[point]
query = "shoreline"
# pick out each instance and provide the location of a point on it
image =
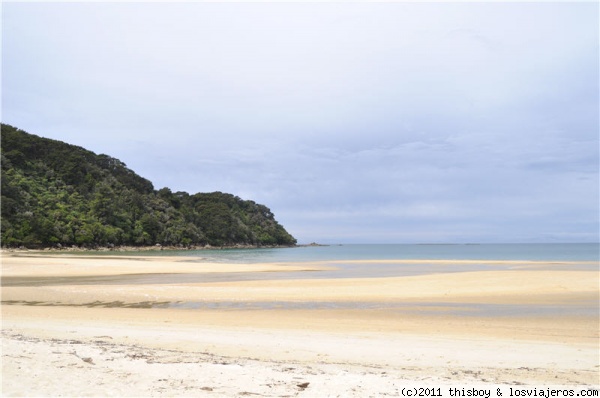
(157, 247)
(384, 332)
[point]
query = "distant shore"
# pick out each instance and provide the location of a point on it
(157, 247)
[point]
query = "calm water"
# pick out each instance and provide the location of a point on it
(542, 252)
(346, 260)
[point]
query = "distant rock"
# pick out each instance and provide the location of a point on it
(313, 244)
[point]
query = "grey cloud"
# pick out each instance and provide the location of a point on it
(385, 122)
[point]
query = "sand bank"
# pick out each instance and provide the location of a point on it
(40, 265)
(60, 339)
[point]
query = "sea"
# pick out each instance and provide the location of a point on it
(347, 252)
(368, 260)
(361, 261)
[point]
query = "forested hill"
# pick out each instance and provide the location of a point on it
(56, 194)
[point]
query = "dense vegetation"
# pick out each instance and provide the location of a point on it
(56, 194)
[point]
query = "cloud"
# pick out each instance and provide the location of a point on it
(354, 122)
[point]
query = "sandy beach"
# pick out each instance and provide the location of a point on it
(107, 325)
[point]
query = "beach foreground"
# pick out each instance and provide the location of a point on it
(106, 334)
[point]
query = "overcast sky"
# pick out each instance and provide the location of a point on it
(354, 122)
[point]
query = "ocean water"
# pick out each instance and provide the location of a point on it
(515, 252)
(356, 261)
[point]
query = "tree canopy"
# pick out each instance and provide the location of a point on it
(55, 193)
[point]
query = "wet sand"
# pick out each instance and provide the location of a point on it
(374, 334)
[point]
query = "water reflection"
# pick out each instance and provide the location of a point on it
(581, 308)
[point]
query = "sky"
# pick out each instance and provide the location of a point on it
(354, 122)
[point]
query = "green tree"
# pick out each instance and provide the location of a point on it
(55, 193)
